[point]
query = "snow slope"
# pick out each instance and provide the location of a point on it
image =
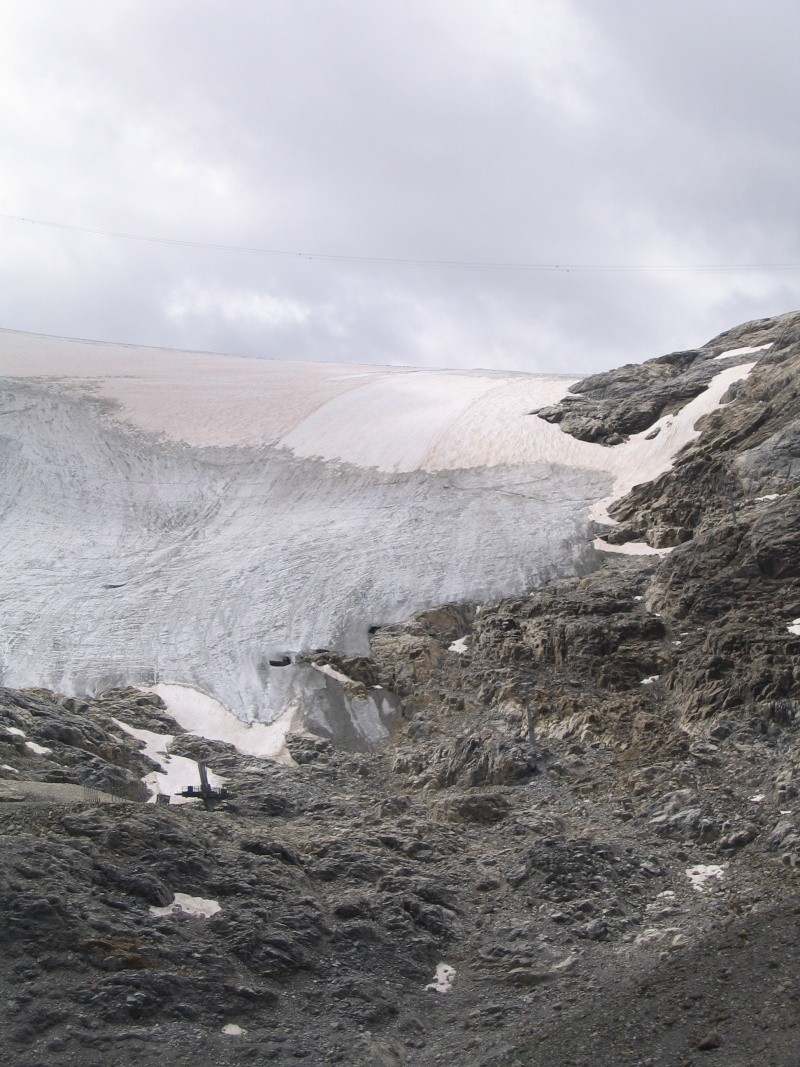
(183, 518)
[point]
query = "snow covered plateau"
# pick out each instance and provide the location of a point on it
(183, 519)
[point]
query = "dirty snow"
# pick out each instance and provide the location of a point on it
(460, 645)
(702, 875)
(200, 907)
(8, 767)
(233, 1030)
(443, 982)
(759, 798)
(177, 772)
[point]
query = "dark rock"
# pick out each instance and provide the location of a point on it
(709, 1042)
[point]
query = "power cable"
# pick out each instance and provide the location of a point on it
(207, 246)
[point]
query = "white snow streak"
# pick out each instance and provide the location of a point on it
(460, 645)
(794, 628)
(743, 351)
(630, 548)
(331, 672)
(640, 460)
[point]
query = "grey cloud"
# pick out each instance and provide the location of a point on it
(557, 132)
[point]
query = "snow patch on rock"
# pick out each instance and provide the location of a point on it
(703, 875)
(200, 907)
(39, 750)
(443, 982)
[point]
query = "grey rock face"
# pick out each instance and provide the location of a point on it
(607, 408)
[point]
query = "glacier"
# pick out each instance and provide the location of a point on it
(183, 519)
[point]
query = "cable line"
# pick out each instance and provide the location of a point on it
(207, 246)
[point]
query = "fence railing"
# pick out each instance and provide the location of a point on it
(72, 793)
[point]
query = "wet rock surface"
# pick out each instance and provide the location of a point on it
(588, 808)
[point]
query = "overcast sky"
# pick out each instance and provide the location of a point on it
(560, 132)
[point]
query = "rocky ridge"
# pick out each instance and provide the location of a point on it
(589, 812)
